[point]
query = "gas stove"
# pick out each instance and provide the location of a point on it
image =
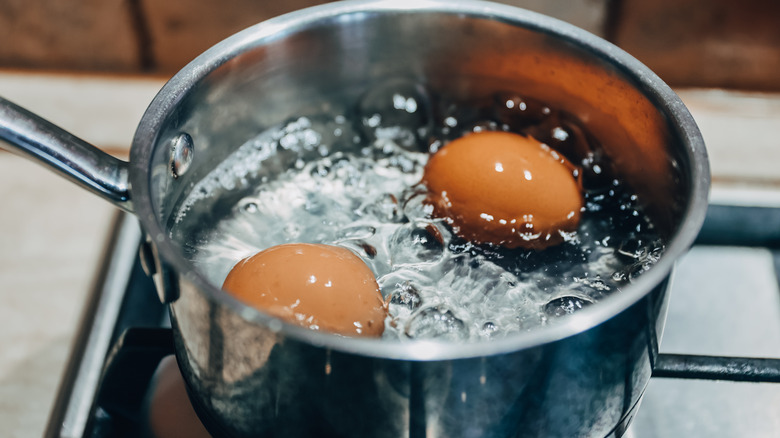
(725, 303)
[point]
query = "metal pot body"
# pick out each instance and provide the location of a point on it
(250, 381)
(251, 375)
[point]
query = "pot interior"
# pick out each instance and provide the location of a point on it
(325, 62)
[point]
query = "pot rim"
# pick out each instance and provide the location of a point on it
(647, 81)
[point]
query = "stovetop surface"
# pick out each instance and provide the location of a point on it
(725, 300)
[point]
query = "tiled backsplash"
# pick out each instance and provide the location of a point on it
(705, 43)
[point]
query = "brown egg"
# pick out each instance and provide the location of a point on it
(321, 287)
(504, 189)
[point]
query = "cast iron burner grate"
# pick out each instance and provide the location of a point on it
(99, 402)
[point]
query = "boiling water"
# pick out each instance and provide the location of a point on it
(353, 181)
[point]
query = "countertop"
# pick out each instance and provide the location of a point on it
(52, 234)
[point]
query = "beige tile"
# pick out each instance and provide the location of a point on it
(51, 235)
(742, 133)
(26, 391)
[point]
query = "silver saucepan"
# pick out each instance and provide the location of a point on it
(249, 374)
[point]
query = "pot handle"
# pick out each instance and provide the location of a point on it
(66, 154)
(728, 225)
(736, 369)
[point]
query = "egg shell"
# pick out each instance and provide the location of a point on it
(322, 287)
(505, 189)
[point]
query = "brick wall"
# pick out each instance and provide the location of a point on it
(709, 43)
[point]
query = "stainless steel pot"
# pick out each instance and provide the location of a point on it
(251, 375)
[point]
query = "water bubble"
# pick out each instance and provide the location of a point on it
(595, 283)
(656, 252)
(596, 174)
(484, 288)
(560, 134)
(292, 231)
(619, 276)
(633, 248)
(638, 269)
(355, 174)
(395, 135)
(415, 205)
(398, 110)
(321, 168)
(414, 243)
(385, 208)
(373, 121)
(405, 163)
(298, 135)
(518, 112)
(483, 125)
(566, 305)
(335, 135)
(641, 253)
(356, 232)
(489, 329)
(314, 205)
(402, 281)
(404, 297)
(438, 323)
(249, 205)
(365, 251)
(434, 145)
